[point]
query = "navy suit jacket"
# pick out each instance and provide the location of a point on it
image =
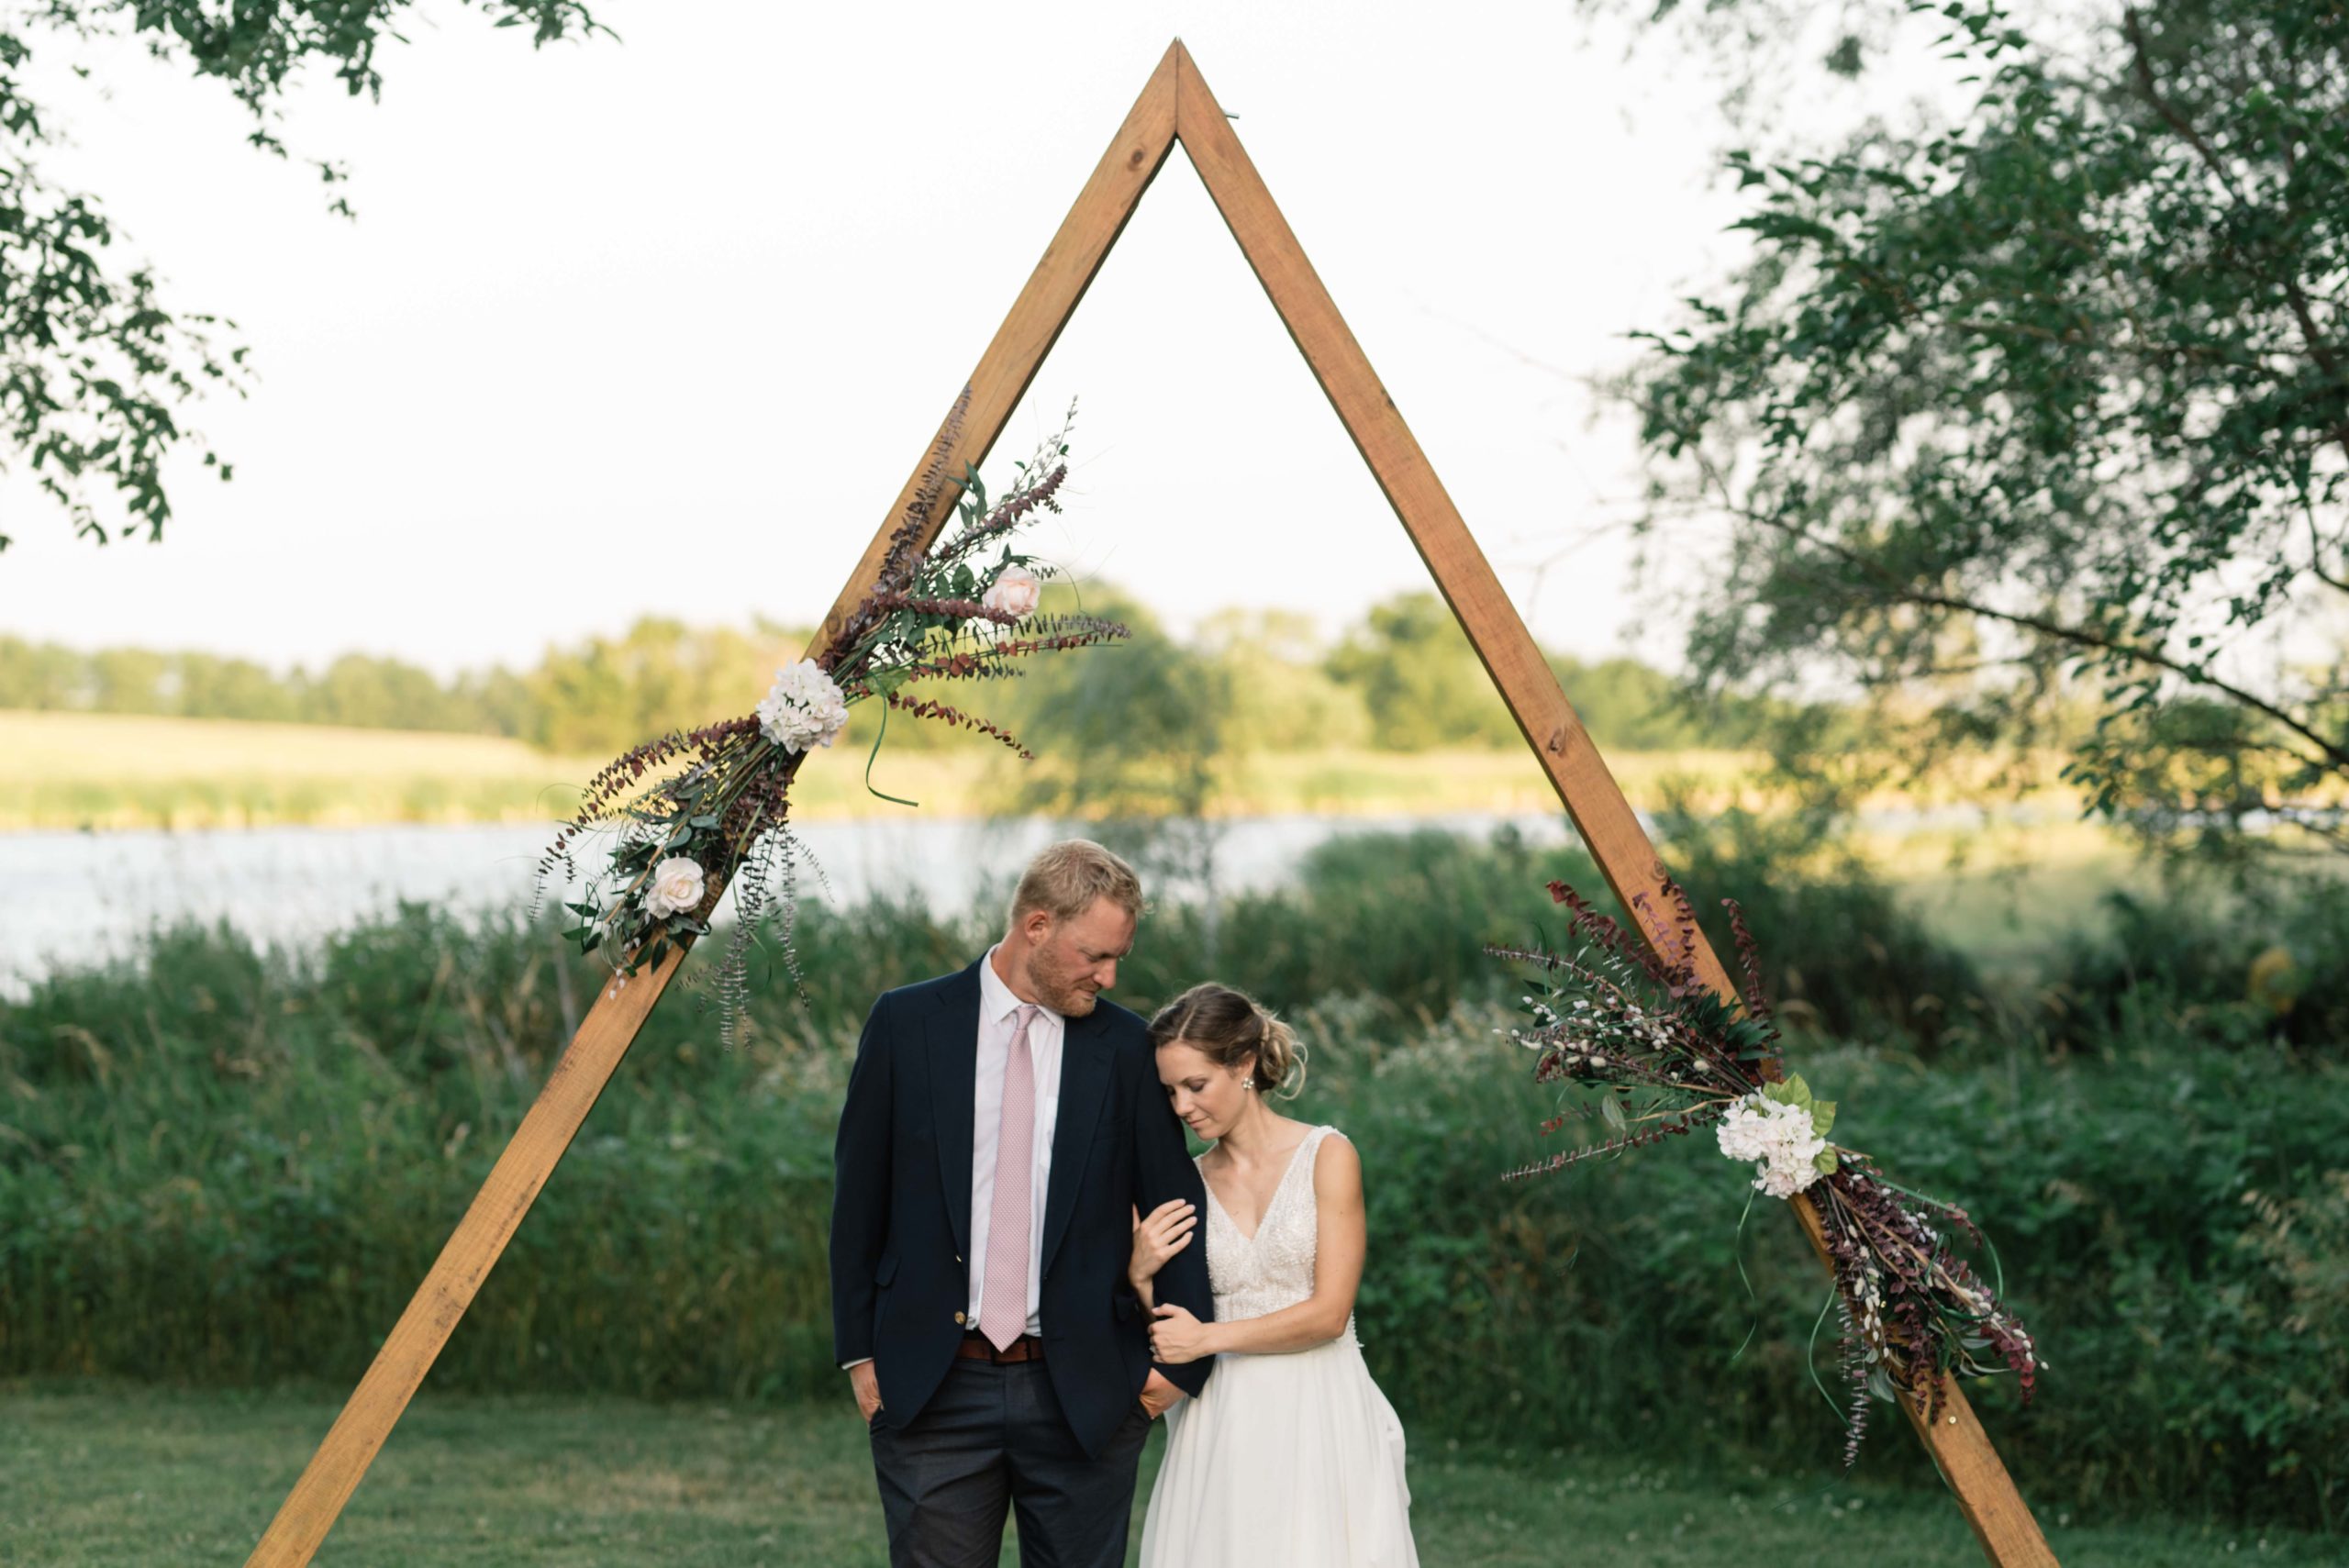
(901, 1205)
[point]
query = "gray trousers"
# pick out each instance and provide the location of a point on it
(992, 1438)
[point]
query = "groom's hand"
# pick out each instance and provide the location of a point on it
(1158, 1396)
(867, 1385)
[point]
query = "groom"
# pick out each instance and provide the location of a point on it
(1002, 1128)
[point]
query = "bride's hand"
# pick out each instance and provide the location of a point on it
(1165, 1232)
(1177, 1337)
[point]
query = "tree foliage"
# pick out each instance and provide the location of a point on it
(1128, 736)
(96, 368)
(1419, 676)
(1420, 679)
(1280, 686)
(2049, 411)
(1250, 682)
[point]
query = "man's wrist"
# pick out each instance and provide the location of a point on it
(1158, 1393)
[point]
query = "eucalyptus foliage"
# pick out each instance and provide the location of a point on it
(2035, 428)
(95, 367)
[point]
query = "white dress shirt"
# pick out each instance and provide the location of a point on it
(997, 1018)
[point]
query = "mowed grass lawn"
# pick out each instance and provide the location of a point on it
(106, 1476)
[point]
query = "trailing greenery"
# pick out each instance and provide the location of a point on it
(223, 1169)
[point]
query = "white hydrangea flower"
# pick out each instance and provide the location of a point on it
(803, 708)
(1778, 1139)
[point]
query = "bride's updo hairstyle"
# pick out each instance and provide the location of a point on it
(1229, 1029)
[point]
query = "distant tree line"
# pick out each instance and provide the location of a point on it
(1404, 679)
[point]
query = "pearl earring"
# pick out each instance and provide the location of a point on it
(1248, 1082)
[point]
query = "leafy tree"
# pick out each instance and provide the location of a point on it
(367, 692)
(1421, 681)
(1252, 681)
(609, 693)
(212, 687)
(1628, 705)
(42, 675)
(2049, 411)
(500, 700)
(131, 680)
(94, 367)
(1127, 738)
(1280, 696)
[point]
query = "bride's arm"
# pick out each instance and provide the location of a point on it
(1340, 1242)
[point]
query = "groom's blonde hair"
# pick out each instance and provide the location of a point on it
(1065, 878)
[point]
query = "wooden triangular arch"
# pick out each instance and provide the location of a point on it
(1175, 106)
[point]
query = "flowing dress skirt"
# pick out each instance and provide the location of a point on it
(1294, 1460)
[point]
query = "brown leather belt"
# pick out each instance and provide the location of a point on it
(975, 1347)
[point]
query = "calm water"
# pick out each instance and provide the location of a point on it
(83, 897)
(77, 897)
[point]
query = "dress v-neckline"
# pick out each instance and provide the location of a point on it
(1278, 1187)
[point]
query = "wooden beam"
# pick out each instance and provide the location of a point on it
(1466, 579)
(1601, 815)
(1136, 154)
(1003, 371)
(496, 1212)
(1175, 103)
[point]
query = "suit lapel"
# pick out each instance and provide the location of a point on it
(953, 1031)
(1084, 1085)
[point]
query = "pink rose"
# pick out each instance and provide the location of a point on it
(1015, 590)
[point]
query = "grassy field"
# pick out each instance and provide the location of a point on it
(76, 770)
(113, 771)
(98, 1477)
(2001, 895)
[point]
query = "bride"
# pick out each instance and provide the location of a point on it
(1291, 1456)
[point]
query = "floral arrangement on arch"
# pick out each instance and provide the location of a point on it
(695, 811)
(1661, 1054)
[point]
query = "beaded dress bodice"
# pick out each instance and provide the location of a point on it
(1274, 1269)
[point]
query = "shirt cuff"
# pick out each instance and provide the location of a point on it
(850, 1366)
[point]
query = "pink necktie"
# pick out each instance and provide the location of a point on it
(1003, 1302)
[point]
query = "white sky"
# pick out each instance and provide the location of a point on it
(660, 326)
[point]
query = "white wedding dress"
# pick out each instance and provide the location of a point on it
(1292, 1460)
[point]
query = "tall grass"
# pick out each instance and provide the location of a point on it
(217, 1168)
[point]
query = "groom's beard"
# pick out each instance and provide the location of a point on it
(1070, 1001)
(1066, 994)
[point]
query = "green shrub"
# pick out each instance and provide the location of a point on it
(221, 1168)
(1406, 917)
(2268, 963)
(2183, 1324)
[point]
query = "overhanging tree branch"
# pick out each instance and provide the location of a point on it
(1911, 593)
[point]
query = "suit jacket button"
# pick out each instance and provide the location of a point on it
(958, 1257)
(958, 1317)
